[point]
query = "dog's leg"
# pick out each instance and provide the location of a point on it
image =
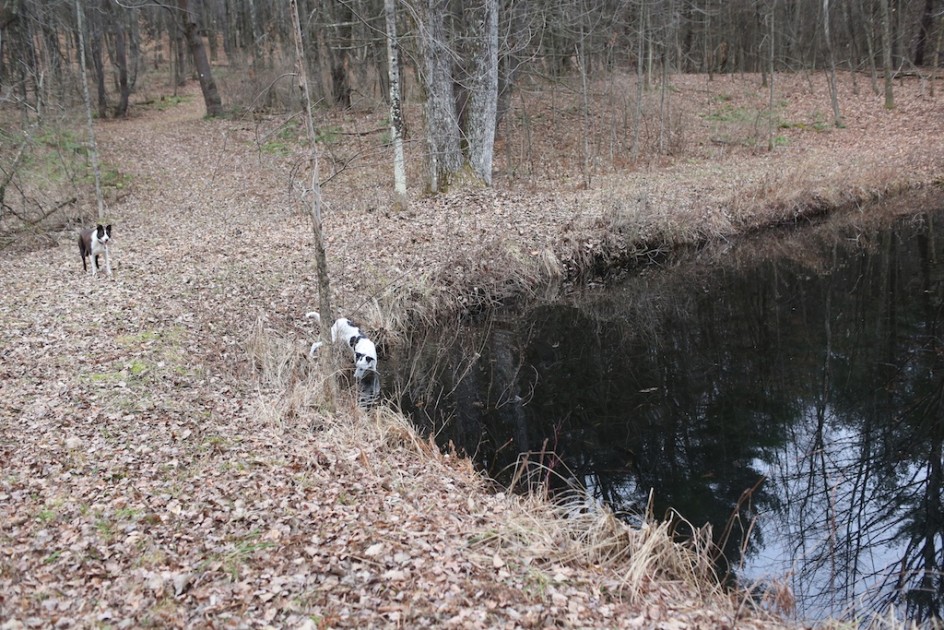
(107, 262)
(317, 317)
(94, 263)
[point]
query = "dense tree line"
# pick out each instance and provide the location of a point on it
(462, 59)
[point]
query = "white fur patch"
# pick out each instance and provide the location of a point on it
(343, 330)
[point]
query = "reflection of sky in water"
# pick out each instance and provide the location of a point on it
(694, 383)
(791, 532)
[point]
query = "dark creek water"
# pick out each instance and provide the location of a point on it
(789, 392)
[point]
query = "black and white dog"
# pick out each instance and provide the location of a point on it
(93, 243)
(365, 353)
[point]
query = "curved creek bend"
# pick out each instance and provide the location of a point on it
(789, 391)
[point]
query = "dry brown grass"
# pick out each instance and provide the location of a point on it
(289, 385)
(570, 533)
(578, 531)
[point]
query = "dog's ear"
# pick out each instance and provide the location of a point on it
(100, 230)
(108, 229)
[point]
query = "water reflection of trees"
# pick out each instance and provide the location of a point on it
(860, 475)
(820, 370)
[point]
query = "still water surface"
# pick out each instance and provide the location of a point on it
(792, 387)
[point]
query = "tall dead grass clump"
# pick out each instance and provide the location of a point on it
(575, 529)
(473, 282)
(379, 427)
(417, 303)
(287, 386)
(385, 323)
(617, 232)
(674, 216)
(488, 276)
(275, 359)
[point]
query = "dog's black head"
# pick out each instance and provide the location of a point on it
(103, 233)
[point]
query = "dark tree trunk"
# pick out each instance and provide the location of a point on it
(340, 57)
(211, 96)
(121, 63)
(53, 58)
(95, 48)
(134, 45)
(341, 80)
(180, 56)
(887, 53)
(924, 32)
(511, 58)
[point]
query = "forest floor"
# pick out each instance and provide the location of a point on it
(164, 464)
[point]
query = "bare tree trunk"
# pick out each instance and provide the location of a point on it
(831, 72)
(935, 63)
(211, 96)
(3, 65)
(180, 56)
(120, 60)
(396, 111)
(855, 54)
(770, 71)
(442, 123)
(584, 91)
(640, 77)
(93, 146)
(338, 52)
(95, 47)
(483, 117)
(256, 44)
(870, 48)
(664, 117)
(924, 32)
(314, 210)
(887, 54)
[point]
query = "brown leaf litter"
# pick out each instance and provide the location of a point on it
(151, 476)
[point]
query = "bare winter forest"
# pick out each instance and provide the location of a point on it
(169, 457)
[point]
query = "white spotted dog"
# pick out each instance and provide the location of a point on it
(365, 353)
(93, 243)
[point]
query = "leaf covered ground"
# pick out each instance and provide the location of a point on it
(162, 462)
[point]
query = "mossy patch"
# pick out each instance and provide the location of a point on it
(163, 103)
